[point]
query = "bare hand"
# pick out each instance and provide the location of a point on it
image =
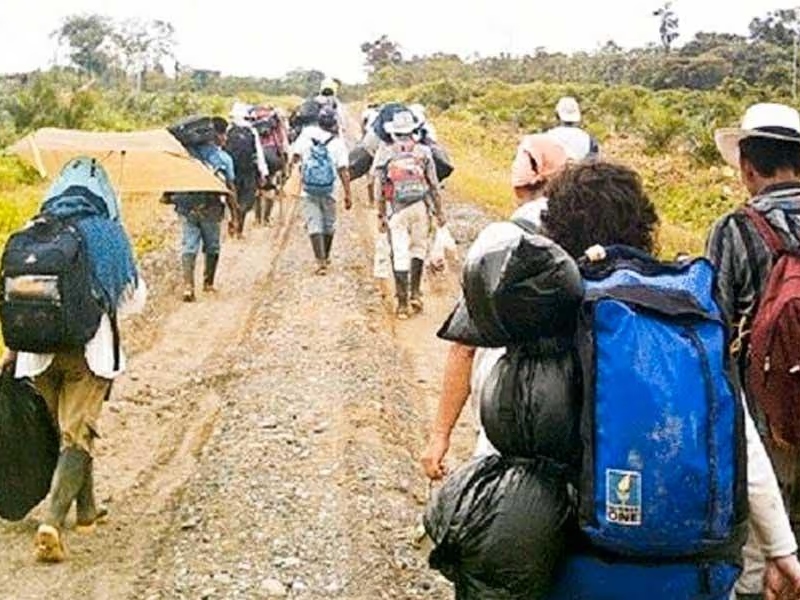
(440, 220)
(433, 458)
(782, 579)
(348, 202)
(8, 360)
(383, 225)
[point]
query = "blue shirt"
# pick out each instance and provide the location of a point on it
(207, 204)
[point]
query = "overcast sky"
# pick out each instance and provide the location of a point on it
(271, 37)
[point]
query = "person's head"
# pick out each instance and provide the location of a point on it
(220, 130)
(568, 111)
(327, 120)
(599, 203)
(328, 87)
(402, 126)
(538, 159)
(766, 149)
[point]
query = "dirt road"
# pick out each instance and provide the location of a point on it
(265, 441)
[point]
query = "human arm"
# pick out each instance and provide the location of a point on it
(455, 393)
(342, 157)
(344, 176)
(9, 358)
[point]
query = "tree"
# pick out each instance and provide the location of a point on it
(382, 52)
(778, 27)
(88, 38)
(668, 29)
(144, 45)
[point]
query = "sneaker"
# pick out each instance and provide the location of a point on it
(208, 288)
(403, 313)
(188, 295)
(49, 545)
(416, 305)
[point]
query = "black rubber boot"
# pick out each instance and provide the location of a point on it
(269, 202)
(328, 237)
(415, 301)
(401, 291)
(68, 480)
(89, 514)
(212, 260)
(318, 245)
(189, 261)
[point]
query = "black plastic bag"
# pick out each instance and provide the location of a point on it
(29, 447)
(501, 528)
(441, 159)
(530, 404)
(517, 286)
(360, 162)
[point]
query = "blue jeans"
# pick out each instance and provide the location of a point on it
(197, 231)
(320, 214)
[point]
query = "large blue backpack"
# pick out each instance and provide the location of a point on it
(319, 172)
(664, 474)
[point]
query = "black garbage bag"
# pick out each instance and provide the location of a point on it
(500, 528)
(444, 166)
(29, 447)
(360, 162)
(274, 159)
(517, 286)
(530, 404)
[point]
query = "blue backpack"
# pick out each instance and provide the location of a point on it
(664, 475)
(319, 172)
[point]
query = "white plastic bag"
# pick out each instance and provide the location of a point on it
(444, 246)
(382, 266)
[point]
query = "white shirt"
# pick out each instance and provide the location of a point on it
(99, 350)
(336, 147)
(575, 141)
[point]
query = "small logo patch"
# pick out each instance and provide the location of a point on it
(624, 497)
(31, 259)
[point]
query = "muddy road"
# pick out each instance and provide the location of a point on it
(265, 441)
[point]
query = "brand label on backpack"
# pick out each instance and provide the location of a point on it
(624, 497)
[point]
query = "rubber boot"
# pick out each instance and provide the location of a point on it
(401, 290)
(328, 237)
(69, 478)
(269, 202)
(189, 262)
(318, 245)
(415, 301)
(88, 513)
(212, 260)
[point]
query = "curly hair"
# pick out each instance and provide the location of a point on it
(599, 203)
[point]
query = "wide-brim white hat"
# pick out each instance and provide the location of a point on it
(402, 123)
(568, 110)
(766, 120)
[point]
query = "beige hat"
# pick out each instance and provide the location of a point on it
(568, 110)
(402, 123)
(767, 120)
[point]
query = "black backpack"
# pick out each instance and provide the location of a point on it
(48, 299)
(193, 131)
(241, 146)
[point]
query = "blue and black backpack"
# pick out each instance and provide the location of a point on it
(664, 474)
(318, 171)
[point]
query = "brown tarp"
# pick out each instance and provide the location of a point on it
(138, 162)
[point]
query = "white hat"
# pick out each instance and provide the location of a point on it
(240, 111)
(402, 123)
(771, 121)
(568, 110)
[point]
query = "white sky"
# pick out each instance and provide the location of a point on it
(271, 37)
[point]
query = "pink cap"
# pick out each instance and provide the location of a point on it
(538, 158)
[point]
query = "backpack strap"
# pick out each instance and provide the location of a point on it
(765, 230)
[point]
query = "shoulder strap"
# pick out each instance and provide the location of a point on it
(765, 230)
